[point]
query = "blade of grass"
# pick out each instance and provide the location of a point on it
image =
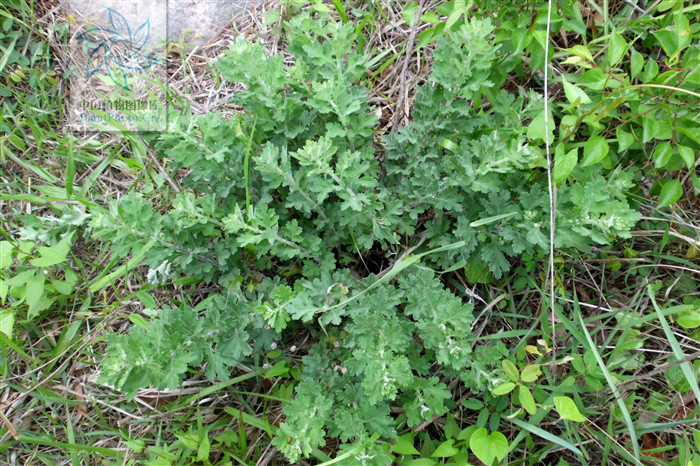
(70, 171)
(545, 435)
(8, 52)
(341, 10)
(70, 446)
(677, 350)
(611, 383)
(103, 280)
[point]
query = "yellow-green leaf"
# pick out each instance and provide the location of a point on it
(567, 409)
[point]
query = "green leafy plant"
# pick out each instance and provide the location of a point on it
(284, 204)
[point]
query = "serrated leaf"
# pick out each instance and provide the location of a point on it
(595, 150)
(488, 447)
(670, 193)
(574, 93)
(567, 409)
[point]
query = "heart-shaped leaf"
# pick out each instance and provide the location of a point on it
(488, 447)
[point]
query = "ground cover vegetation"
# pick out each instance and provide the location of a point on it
(341, 249)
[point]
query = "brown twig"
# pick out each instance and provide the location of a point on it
(403, 92)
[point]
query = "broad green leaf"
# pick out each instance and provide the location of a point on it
(54, 254)
(7, 322)
(521, 38)
(689, 319)
(536, 129)
(650, 128)
(574, 93)
(510, 370)
(526, 399)
(445, 450)
(62, 287)
(595, 150)
(670, 193)
(650, 71)
(503, 389)
(34, 289)
(420, 462)
(636, 63)
(688, 156)
(593, 79)
(581, 51)
(451, 428)
(564, 163)
(488, 447)
(49, 256)
(203, 450)
(404, 445)
(624, 139)
(567, 409)
(5, 254)
(409, 13)
(458, 10)
(668, 40)
(681, 27)
(281, 368)
(662, 154)
(530, 373)
(616, 48)
(137, 319)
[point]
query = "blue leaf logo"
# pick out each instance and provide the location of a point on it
(117, 50)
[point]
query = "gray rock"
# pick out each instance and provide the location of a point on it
(195, 21)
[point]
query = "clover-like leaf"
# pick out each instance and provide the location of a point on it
(119, 23)
(140, 37)
(97, 58)
(118, 76)
(488, 447)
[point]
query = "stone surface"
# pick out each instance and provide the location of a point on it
(198, 20)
